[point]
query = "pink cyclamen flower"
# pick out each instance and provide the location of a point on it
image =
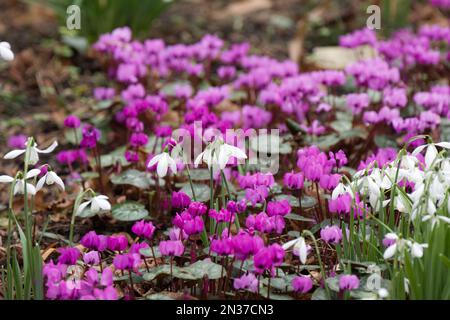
(246, 245)
(331, 234)
(91, 258)
(278, 208)
(143, 229)
(72, 122)
(68, 255)
(90, 137)
(117, 243)
(302, 284)
(293, 180)
(348, 282)
(246, 282)
(180, 200)
(90, 240)
(17, 141)
(171, 248)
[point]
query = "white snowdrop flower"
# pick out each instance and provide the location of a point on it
(340, 190)
(6, 52)
(97, 204)
(435, 219)
(417, 249)
(164, 161)
(34, 152)
(383, 293)
(50, 178)
(300, 248)
(218, 153)
(21, 184)
(431, 152)
(392, 249)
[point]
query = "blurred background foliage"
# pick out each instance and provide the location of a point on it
(102, 16)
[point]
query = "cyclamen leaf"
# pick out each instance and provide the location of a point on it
(129, 211)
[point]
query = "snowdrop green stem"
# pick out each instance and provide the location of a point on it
(322, 269)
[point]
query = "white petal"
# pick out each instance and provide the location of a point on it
(390, 251)
(104, 204)
(289, 244)
(82, 206)
(223, 159)
(58, 180)
(235, 152)
(154, 160)
(49, 149)
(31, 189)
(430, 155)
(198, 160)
(419, 149)
(14, 154)
(5, 51)
(162, 168)
(40, 183)
(6, 179)
(33, 173)
(34, 157)
(445, 145)
(173, 165)
(417, 250)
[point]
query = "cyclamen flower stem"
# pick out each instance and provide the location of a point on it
(153, 253)
(131, 283)
(77, 143)
(318, 201)
(171, 272)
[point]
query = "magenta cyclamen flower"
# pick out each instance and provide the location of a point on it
(222, 216)
(17, 141)
(348, 282)
(90, 240)
(91, 135)
(68, 255)
(128, 261)
(91, 258)
(72, 122)
(180, 200)
(302, 284)
(171, 248)
(246, 245)
(143, 229)
(246, 282)
(268, 258)
(117, 243)
(331, 234)
(293, 180)
(197, 208)
(341, 204)
(222, 246)
(138, 139)
(278, 208)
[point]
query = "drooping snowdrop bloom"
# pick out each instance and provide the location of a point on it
(164, 161)
(6, 52)
(391, 239)
(97, 204)
(218, 153)
(432, 152)
(300, 248)
(398, 245)
(19, 187)
(50, 178)
(34, 152)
